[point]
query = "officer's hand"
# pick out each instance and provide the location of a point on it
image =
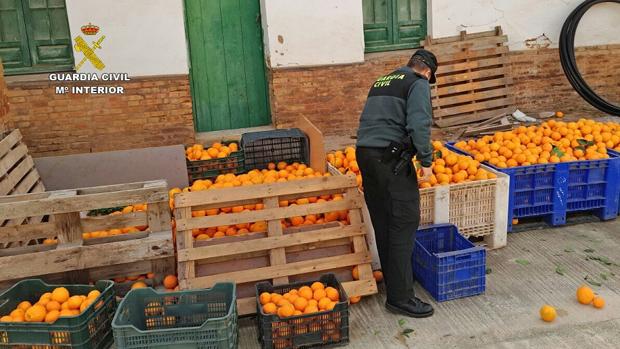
(427, 172)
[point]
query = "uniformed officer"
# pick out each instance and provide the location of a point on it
(395, 125)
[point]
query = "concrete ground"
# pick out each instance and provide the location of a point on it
(523, 276)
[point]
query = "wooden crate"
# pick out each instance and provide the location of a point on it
(74, 258)
(473, 78)
(277, 255)
(477, 208)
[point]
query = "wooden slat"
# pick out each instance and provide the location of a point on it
(263, 191)
(125, 220)
(22, 197)
(12, 158)
(277, 255)
(27, 232)
(359, 242)
(468, 108)
(121, 187)
(186, 270)
(473, 117)
(82, 202)
(289, 269)
(116, 238)
(275, 242)
(469, 97)
(28, 183)
(8, 142)
(471, 64)
(463, 35)
(268, 214)
(10, 181)
(83, 257)
(439, 92)
(448, 58)
(480, 74)
(471, 45)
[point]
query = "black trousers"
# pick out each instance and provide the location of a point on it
(394, 205)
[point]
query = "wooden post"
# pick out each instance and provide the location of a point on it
(185, 240)
(277, 256)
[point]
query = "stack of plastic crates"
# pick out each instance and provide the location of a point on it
(261, 148)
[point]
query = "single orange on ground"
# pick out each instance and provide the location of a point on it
(585, 295)
(170, 282)
(355, 299)
(598, 302)
(378, 274)
(547, 313)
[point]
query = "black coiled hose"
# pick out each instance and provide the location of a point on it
(569, 64)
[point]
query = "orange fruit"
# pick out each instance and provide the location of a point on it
(75, 302)
(64, 306)
(319, 293)
(286, 310)
(96, 293)
(52, 305)
(585, 295)
(52, 316)
(332, 294)
(282, 302)
(270, 308)
(24, 305)
(331, 306)
(264, 298)
(317, 285)
(6, 318)
(306, 292)
(170, 282)
(378, 275)
(67, 312)
(547, 313)
(18, 313)
(300, 303)
(598, 302)
(354, 299)
(85, 304)
(355, 273)
(324, 302)
(138, 284)
(36, 313)
(311, 309)
(60, 295)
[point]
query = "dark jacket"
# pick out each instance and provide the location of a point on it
(398, 104)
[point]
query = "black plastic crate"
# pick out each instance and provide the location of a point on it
(325, 328)
(261, 148)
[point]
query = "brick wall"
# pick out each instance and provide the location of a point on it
(4, 104)
(333, 97)
(154, 111)
(540, 83)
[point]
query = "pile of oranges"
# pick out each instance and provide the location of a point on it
(585, 296)
(275, 173)
(551, 142)
(448, 167)
(114, 232)
(216, 151)
(51, 306)
(305, 300)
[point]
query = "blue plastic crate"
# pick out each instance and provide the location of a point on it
(553, 190)
(447, 264)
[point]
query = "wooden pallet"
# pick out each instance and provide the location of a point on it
(17, 173)
(277, 255)
(77, 259)
(473, 77)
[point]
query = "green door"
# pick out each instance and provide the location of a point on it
(227, 65)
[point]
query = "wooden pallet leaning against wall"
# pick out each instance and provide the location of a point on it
(74, 259)
(277, 255)
(17, 174)
(473, 78)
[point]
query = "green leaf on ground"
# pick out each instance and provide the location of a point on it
(592, 281)
(569, 250)
(589, 250)
(522, 261)
(402, 322)
(406, 332)
(603, 276)
(488, 271)
(376, 332)
(601, 259)
(560, 270)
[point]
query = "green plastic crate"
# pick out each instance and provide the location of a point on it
(207, 169)
(200, 319)
(89, 330)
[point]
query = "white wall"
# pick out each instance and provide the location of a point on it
(525, 19)
(143, 37)
(312, 32)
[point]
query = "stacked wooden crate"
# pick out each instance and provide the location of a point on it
(277, 255)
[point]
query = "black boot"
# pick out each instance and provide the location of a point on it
(413, 307)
